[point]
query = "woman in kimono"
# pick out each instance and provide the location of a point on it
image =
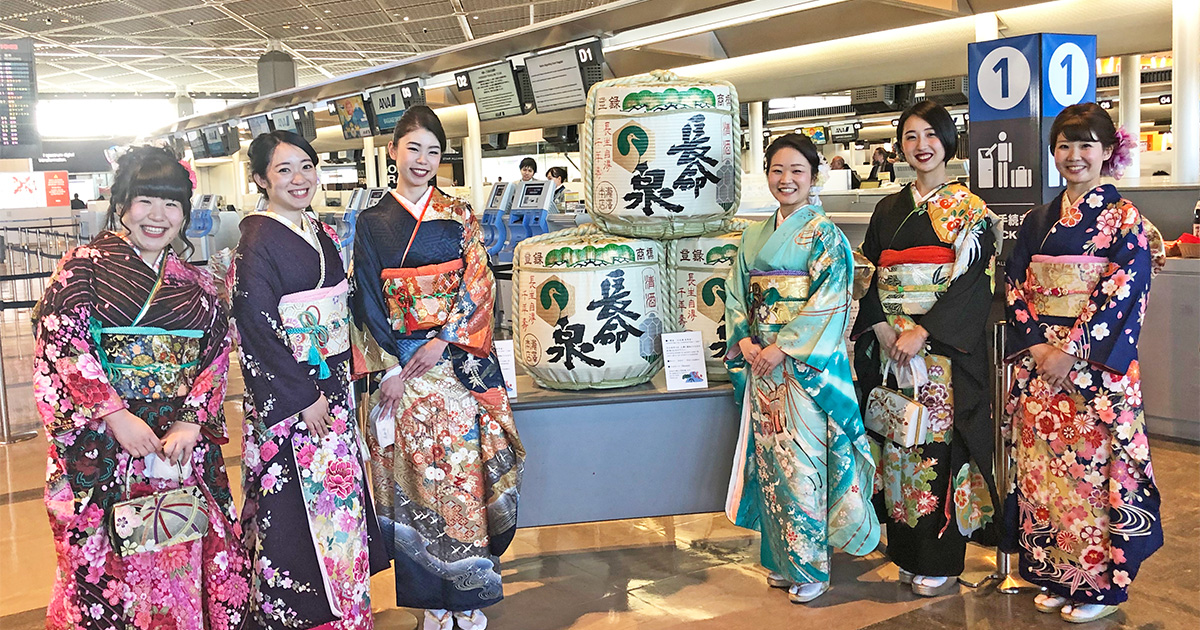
(129, 376)
(446, 458)
(802, 471)
(308, 521)
(932, 244)
(1084, 510)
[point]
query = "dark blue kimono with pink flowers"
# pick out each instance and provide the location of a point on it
(1083, 511)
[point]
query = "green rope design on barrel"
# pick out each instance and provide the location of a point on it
(667, 227)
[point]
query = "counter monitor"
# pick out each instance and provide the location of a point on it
(284, 120)
(531, 195)
(195, 140)
(355, 116)
(259, 125)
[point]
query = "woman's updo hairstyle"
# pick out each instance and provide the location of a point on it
(419, 117)
(799, 142)
(148, 171)
(1088, 122)
(263, 147)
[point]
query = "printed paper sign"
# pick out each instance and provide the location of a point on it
(508, 366)
(683, 353)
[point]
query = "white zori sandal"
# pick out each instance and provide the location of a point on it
(775, 580)
(1083, 613)
(471, 620)
(438, 620)
(804, 593)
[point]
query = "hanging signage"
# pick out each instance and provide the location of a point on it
(74, 156)
(389, 106)
(18, 99)
(843, 133)
(34, 190)
(556, 80)
(412, 93)
(495, 91)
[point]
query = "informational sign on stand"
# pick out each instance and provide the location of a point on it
(683, 354)
(508, 365)
(557, 81)
(1018, 86)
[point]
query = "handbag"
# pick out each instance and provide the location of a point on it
(895, 416)
(158, 520)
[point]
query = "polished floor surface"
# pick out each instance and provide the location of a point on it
(694, 571)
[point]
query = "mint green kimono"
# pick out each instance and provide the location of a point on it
(803, 470)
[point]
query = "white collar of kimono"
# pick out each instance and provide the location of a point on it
(414, 208)
(919, 199)
(157, 261)
(780, 219)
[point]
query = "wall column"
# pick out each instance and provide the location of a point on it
(755, 163)
(1185, 91)
(473, 158)
(1129, 91)
(369, 160)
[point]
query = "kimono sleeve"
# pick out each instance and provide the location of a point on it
(1024, 332)
(373, 333)
(1106, 333)
(814, 336)
(282, 386)
(959, 317)
(70, 389)
(737, 316)
(469, 325)
(205, 400)
(870, 308)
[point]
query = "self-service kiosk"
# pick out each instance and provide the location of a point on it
(92, 220)
(495, 230)
(532, 201)
(360, 199)
(204, 224)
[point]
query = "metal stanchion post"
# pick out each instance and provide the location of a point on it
(1009, 584)
(25, 247)
(6, 434)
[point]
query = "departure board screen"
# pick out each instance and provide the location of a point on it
(18, 99)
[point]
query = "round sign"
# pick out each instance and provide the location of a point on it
(1068, 74)
(1003, 78)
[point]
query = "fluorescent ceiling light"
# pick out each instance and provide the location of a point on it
(744, 13)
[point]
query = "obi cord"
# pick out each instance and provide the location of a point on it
(317, 336)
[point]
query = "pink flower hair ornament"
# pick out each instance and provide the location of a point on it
(1122, 155)
(195, 184)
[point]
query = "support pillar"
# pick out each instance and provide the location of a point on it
(1130, 93)
(381, 167)
(1185, 91)
(473, 158)
(755, 163)
(987, 27)
(369, 160)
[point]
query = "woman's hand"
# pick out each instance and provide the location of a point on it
(749, 350)
(423, 359)
(887, 338)
(316, 417)
(391, 391)
(132, 433)
(1053, 366)
(908, 344)
(767, 360)
(180, 441)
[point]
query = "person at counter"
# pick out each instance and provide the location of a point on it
(129, 373)
(881, 164)
(558, 176)
(802, 471)
(77, 203)
(446, 457)
(1084, 513)
(307, 517)
(838, 163)
(923, 319)
(528, 169)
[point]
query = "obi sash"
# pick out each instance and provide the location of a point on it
(1060, 286)
(146, 362)
(317, 322)
(420, 298)
(910, 281)
(777, 297)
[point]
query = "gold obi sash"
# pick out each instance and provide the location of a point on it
(146, 362)
(1060, 286)
(777, 297)
(910, 281)
(317, 323)
(420, 298)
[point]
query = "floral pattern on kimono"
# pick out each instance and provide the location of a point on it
(802, 470)
(1083, 509)
(308, 520)
(200, 585)
(447, 490)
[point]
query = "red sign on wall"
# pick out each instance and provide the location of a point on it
(58, 192)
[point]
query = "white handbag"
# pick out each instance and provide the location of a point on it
(894, 415)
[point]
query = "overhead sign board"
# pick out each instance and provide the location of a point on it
(18, 99)
(495, 90)
(846, 132)
(557, 81)
(389, 106)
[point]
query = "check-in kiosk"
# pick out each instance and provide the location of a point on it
(495, 232)
(205, 223)
(360, 199)
(532, 201)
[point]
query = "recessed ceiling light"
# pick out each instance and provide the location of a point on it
(406, 18)
(328, 11)
(474, 17)
(305, 27)
(287, 26)
(318, 28)
(24, 19)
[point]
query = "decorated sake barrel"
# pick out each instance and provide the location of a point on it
(589, 309)
(698, 267)
(662, 155)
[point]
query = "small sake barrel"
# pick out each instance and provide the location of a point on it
(589, 310)
(661, 155)
(698, 267)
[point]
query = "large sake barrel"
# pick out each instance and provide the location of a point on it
(589, 308)
(697, 268)
(661, 155)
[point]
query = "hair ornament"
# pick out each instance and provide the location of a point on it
(191, 173)
(1122, 154)
(819, 180)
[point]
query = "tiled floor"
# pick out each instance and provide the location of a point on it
(696, 571)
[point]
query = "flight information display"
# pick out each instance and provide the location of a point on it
(18, 99)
